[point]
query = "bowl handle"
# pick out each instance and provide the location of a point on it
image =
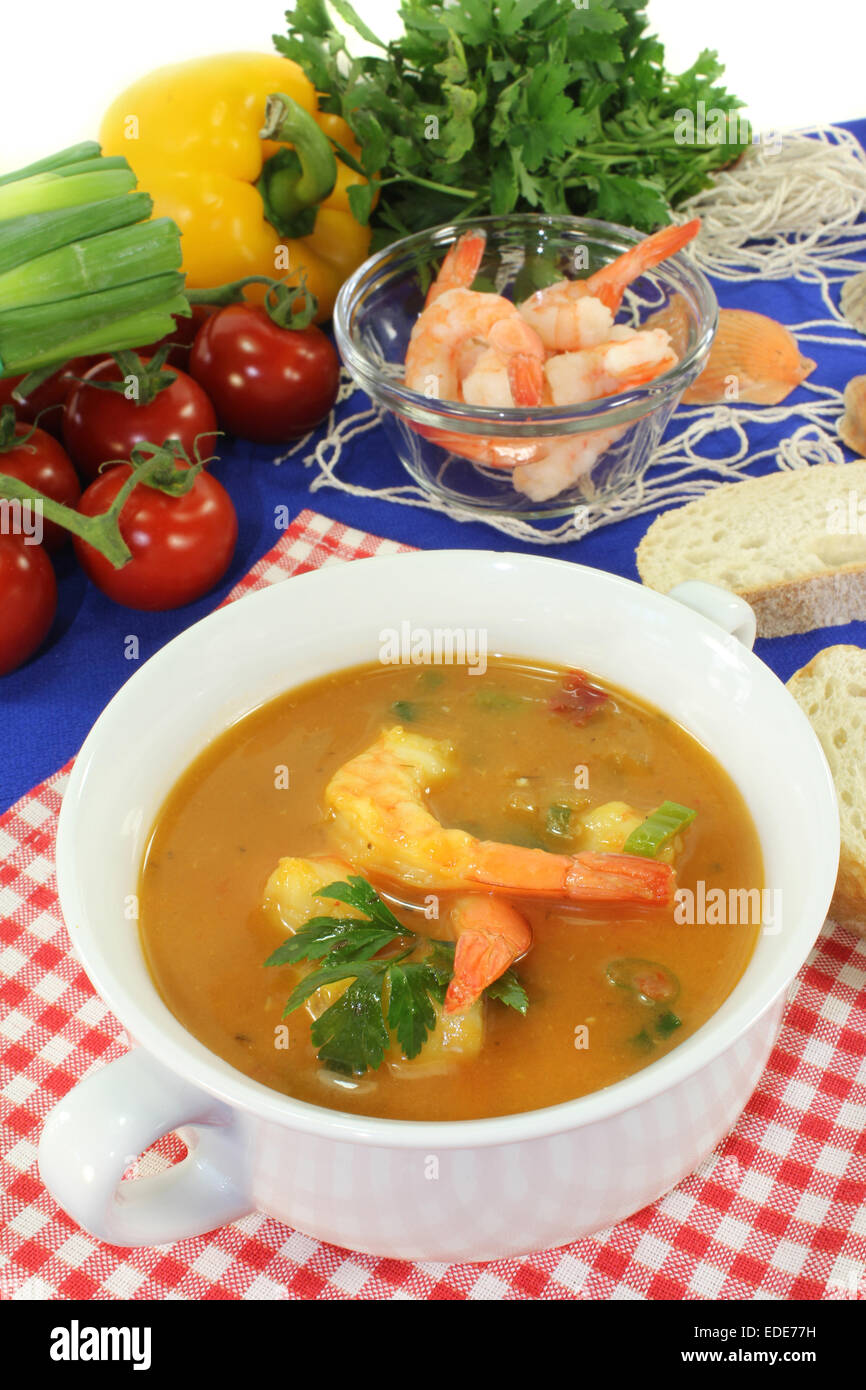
(726, 610)
(93, 1135)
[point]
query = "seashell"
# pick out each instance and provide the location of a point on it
(853, 301)
(852, 425)
(753, 358)
(674, 319)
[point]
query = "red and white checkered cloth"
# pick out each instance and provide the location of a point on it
(779, 1211)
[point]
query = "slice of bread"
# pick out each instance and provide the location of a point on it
(790, 543)
(831, 691)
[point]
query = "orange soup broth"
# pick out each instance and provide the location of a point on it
(230, 819)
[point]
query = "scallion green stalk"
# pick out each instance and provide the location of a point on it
(147, 325)
(82, 270)
(73, 154)
(26, 238)
(92, 166)
(660, 826)
(44, 192)
(38, 330)
(119, 257)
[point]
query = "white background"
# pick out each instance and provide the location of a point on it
(795, 62)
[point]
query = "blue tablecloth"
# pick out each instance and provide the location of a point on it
(47, 707)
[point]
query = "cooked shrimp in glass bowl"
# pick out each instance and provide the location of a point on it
(513, 361)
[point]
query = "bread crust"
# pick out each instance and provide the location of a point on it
(829, 599)
(848, 907)
(821, 597)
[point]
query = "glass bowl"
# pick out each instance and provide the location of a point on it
(547, 461)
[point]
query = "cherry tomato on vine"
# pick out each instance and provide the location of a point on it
(267, 383)
(43, 464)
(181, 546)
(28, 600)
(49, 398)
(181, 338)
(102, 424)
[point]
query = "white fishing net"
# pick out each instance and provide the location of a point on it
(789, 210)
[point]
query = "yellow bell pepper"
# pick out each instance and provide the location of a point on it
(244, 205)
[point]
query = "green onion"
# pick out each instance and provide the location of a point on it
(99, 165)
(108, 334)
(25, 238)
(659, 827)
(82, 270)
(119, 257)
(44, 192)
(558, 817)
(652, 983)
(74, 154)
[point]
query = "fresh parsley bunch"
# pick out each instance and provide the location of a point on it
(353, 1034)
(491, 106)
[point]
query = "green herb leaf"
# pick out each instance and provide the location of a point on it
(329, 975)
(352, 1035)
(354, 938)
(410, 1010)
(358, 893)
(405, 710)
(667, 1024)
(508, 990)
(496, 105)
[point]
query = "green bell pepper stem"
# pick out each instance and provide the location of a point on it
(290, 190)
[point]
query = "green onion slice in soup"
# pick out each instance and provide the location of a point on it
(659, 827)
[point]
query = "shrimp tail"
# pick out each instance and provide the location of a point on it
(586, 877)
(491, 935)
(526, 379)
(609, 284)
(621, 878)
(460, 266)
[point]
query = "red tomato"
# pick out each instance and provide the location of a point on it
(182, 337)
(44, 465)
(28, 600)
(268, 384)
(101, 425)
(49, 397)
(181, 546)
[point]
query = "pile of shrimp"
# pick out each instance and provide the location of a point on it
(559, 347)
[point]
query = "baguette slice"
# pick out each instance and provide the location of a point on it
(790, 543)
(831, 691)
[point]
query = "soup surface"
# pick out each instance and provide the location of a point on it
(529, 768)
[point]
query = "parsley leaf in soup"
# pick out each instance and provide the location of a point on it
(410, 1010)
(395, 994)
(351, 1035)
